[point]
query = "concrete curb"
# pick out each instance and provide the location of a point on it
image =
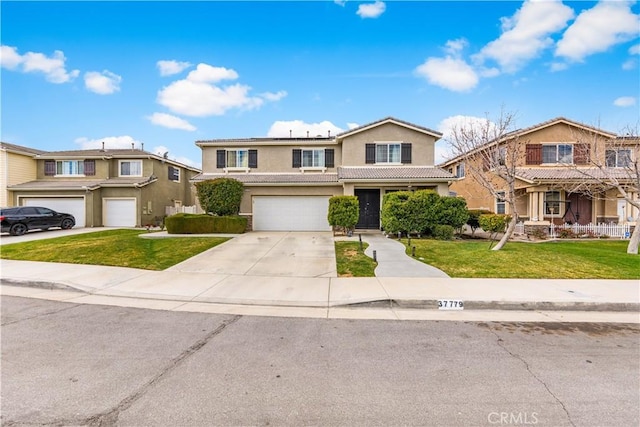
(429, 304)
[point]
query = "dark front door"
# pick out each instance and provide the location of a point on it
(369, 208)
(578, 209)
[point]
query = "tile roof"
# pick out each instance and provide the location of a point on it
(393, 173)
(273, 178)
(570, 174)
(20, 148)
(390, 119)
(90, 184)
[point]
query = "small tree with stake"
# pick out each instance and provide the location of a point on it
(343, 212)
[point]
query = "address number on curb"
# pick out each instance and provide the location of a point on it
(450, 304)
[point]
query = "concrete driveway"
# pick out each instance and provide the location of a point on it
(262, 253)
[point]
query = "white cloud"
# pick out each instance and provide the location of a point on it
(340, 2)
(168, 68)
(447, 125)
(52, 67)
(9, 57)
(450, 73)
(104, 83)
(630, 64)
(205, 73)
(110, 142)
(454, 47)
(371, 10)
(298, 128)
(558, 66)
(161, 149)
(625, 101)
(270, 96)
(171, 122)
(352, 125)
(597, 29)
(199, 96)
(635, 49)
(526, 34)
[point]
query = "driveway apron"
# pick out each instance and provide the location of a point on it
(275, 254)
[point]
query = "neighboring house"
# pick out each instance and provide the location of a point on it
(288, 181)
(17, 165)
(551, 158)
(112, 188)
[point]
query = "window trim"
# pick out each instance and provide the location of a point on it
(388, 144)
(460, 167)
(616, 152)
(558, 202)
(179, 172)
(120, 162)
(79, 165)
(313, 150)
(227, 151)
(558, 160)
(501, 201)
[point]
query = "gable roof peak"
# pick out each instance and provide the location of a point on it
(390, 119)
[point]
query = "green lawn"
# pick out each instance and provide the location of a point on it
(601, 259)
(352, 262)
(121, 248)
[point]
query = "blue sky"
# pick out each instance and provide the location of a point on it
(166, 74)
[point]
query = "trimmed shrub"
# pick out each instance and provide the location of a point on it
(220, 196)
(344, 212)
(395, 216)
(474, 218)
(184, 223)
(452, 211)
(443, 232)
(423, 210)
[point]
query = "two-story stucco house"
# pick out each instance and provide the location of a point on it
(556, 176)
(107, 187)
(288, 181)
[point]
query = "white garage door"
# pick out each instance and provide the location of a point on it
(119, 212)
(290, 213)
(71, 205)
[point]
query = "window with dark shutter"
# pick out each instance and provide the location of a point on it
(174, 174)
(220, 159)
(49, 167)
(329, 157)
(405, 157)
(370, 153)
(89, 167)
(253, 159)
(296, 161)
(581, 154)
(534, 154)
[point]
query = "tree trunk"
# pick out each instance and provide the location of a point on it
(507, 234)
(632, 248)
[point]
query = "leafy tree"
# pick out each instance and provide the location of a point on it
(494, 224)
(343, 212)
(221, 196)
(474, 218)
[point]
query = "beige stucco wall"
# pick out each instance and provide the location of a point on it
(422, 148)
(14, 169)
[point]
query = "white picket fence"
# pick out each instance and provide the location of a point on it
(622, 231)
(172, 210)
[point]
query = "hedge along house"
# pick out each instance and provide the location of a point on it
(288, 181)
(107, 187)
(556, 175)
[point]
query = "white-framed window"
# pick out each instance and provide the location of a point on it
(557, 153)
(130, 168)
(237, 158)
(70, 167)
(460, 170)
(174, 174)
(618, 158)
(501, 206)
(388, 153)
(552, 203)
(313, 158)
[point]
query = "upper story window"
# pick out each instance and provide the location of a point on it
(388, 152)
(238, 158)
(500, 203)
(130, 167)
(313, 158)
(557, 153)
(618, 158)
(174, 174)
(460, 170)
(70, 167)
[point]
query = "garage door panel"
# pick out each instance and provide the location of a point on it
(119, 212)
(71, 205)
(290, 213)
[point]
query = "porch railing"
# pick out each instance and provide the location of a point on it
(622, 231)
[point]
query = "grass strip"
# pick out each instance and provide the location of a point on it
(352, 262)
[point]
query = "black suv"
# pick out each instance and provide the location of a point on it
(21, 219)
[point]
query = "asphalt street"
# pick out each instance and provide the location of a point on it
(73, 364)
